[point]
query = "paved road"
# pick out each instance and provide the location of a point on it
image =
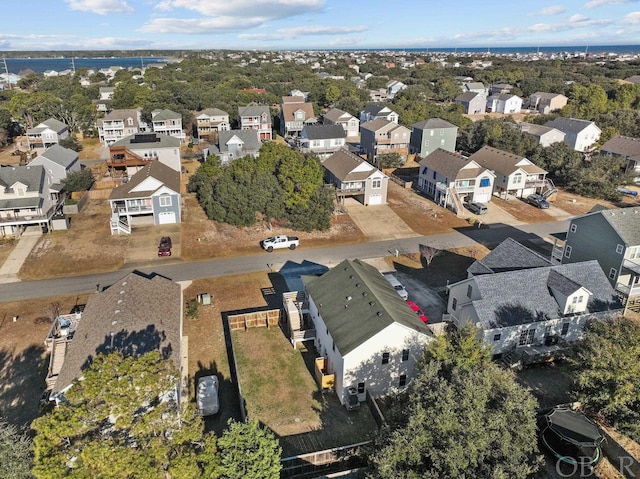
(263, 261)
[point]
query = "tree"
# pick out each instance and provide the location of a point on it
(32, 108)
(428, 253)
(78, 180)
(607, 373)
(249, 451)
(15, 452)
(121, 420)
(462, 416)
(388, 160)
(71, 142)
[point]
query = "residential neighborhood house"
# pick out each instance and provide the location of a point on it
(580, 135)
(612, 238)
(429, 135)
(59, 162)
(393, 87)
(371, 339)
(354, 177)
(295, 114)
(132, 153)
(626, 147)
(504, 103)
(103, 103)
(46, 134)
(452, 179)
(472, 102)
(256, 117)
(547, 103)
(515, 175)
(544, 135)
(136, 315)
(234, 144)
(529, 311)
(151, 196)
(322, 140)
(25, 199)
(210, 122)
(378, 112)
(169, 123)
(475, 87)
(378, 137)
(118, 124)
(349, 123)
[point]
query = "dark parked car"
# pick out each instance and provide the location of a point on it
(207, 395)
(164, 248)
(477, 208)
(538, 201)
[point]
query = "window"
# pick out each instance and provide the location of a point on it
(434, 175)
(634, 253)
(531, 336)
(523, 338)
(405, 355)
(527, 337)
(574, 228)
(385, 358)
(469, 291)
(360, 388)
(376, 183)
(485, 182)
(567, 251)
(454, 303)
(403, 380)
(426, 143)
(612, 273)
(619, 249)
(575, 300)
(431, 132)
(165, 200)
(496, 337)
(517, 178)
(565, 329)
(442, 132)
(547, 330)
(334, 346)
(580, 299)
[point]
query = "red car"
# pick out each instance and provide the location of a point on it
(414, 307)
(164, 248)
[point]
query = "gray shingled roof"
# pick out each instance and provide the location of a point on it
(250, 139)
(501, 161)
(467, 96)
(508, 256)
(432, 123)
(253, 110)
(55, 125)
(622, 145)
(163, 115)
(474, 85)
(546, 95)
(31, 176)
(142, 314)
(343, 162)
(154, 169)
(569, 125)
(213, 112)
(335, 114)
(373, 109)
(626, 222)
(323, 132)
(131, 142)
(121, 114)
(377, 124)
(61, 155)
(502, 96)
(356, 303)
(450, 164)
(536, 130)
(523, 296)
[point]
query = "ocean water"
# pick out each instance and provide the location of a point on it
(40, 65)
(571, 49)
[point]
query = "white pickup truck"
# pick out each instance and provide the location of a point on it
(281, 241)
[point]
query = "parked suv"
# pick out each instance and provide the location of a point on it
(538, 201)
(477, 208)
(397, 285)
(164, 248)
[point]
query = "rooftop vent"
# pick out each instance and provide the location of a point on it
(372, 303)
(349, 298)
(358, 285)
(379, 313)
(364, 293)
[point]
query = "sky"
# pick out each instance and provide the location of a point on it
(313, 24)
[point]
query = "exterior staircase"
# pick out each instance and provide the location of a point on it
(119, 225)
(457, 202)
(548, 188)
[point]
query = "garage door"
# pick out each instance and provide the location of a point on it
(481, 197)
(375, 199)
(167, 217)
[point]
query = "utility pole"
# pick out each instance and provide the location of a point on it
(7, 71)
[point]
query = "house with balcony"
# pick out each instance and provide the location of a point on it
(46, 134)
(169, 123)
(365, 333)
(210, 122)
(452, 179)
(354, 177)
(349, 123)
(118, 124)
(393, 87)
(515, 175)
(103, 103)
(612, 238)
(135, 315)
(475, 87)
(234, 144)
(150, 197)
(134, 152)
(429, 135)
(626, 147)
(530, 314)
(473, 102)
(544, 135)
(256, 117)
(322, 140)
(504, 103)
(59, 162)
(546, 103)
(295, 115)
(374, 111)
(581, 135)
(25, 199)
(378, 137)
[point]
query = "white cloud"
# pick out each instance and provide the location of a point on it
(200, 25)
(602, 3)
(552, 10)
(578, 18)
(296, 32)
(101, 7)
(241, 8)
(632, 18)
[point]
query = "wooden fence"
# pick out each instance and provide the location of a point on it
(77, 207)
(99, 194)
(256, 319)
(404, 183)
(317, 461)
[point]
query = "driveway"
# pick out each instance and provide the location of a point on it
(144, 240)
(494, 217)
(431, 303)
(378, 222)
